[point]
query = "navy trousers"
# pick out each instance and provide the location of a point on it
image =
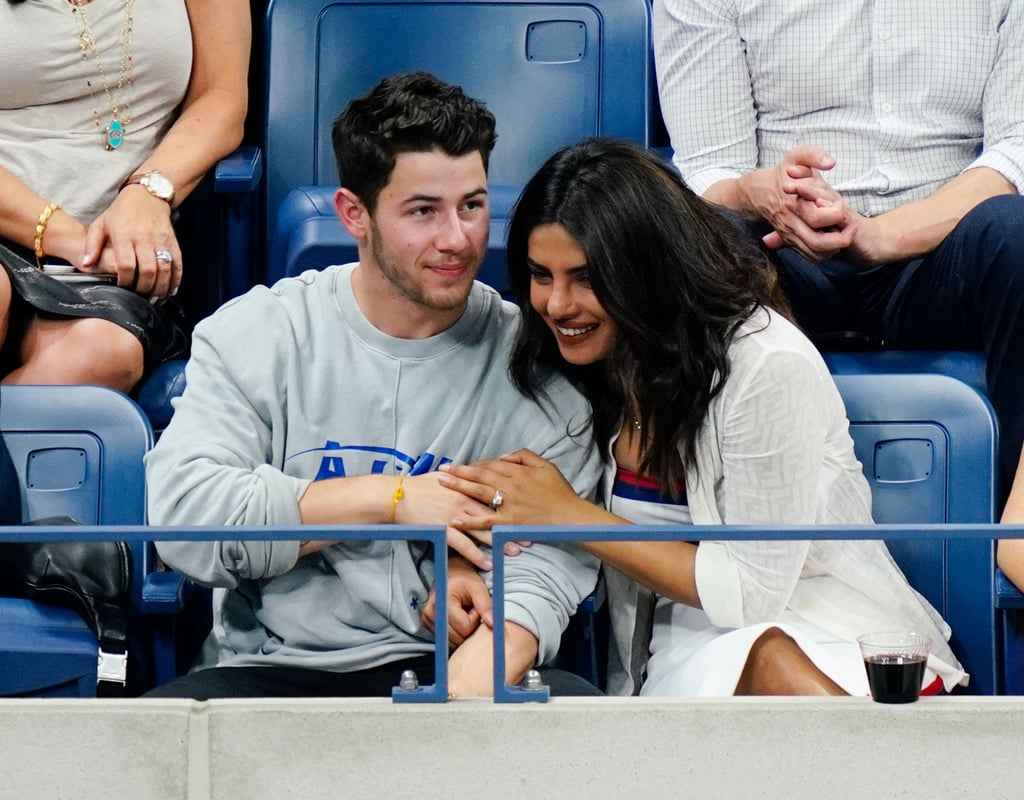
(968, 294)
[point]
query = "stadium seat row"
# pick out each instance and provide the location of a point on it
(923, 431)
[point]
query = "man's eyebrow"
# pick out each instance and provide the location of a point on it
(430, 198)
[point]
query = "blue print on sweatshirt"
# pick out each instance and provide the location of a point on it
(337, 461)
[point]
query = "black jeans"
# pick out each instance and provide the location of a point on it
(968, 294)
(236, 682)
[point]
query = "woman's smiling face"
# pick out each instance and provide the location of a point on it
(561, 294)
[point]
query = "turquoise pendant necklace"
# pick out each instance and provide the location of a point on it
(120, 107)
(115, 134)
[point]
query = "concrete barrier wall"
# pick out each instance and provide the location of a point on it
(568, 748)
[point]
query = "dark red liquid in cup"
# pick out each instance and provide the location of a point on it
(895, 679)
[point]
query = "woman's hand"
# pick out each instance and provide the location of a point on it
(127, 239)
(469, 602)
(533, 492)
(427, 500)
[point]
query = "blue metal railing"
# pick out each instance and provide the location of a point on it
(975, 598)
(140, 534)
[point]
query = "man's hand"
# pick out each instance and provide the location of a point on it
(471, 667)
(805, 212)
(371, 499)
(469, 602)
(427, 501)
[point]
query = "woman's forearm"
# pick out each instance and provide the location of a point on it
(664, 567)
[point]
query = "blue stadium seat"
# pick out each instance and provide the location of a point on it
(927, 438)
(523, 55)
(163, 384)
(78, 452)
(217, 228)
(552, 73)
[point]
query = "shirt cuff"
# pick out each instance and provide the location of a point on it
(703, 179)
(718, 586)
(1006, 159)
(283, 493)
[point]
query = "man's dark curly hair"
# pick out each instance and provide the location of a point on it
(410, 113)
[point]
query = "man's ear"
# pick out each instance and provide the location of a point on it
(352, 213)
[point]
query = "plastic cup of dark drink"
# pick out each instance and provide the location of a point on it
(895, 664)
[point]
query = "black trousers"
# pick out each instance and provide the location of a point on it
(239, 682)
(968, 294)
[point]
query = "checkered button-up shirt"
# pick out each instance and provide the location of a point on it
(906, 94)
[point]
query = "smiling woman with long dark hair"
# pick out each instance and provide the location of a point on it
(716, 410)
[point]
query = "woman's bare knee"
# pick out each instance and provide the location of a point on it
(80, 351)
(777, 666)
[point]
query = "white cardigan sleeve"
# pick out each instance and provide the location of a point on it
(765, 452)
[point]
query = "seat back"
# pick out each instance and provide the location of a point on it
(77, 452)
(552, 73)
(927, 438)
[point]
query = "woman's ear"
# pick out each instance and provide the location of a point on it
(352, 213)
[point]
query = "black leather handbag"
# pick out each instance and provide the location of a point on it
(94, 578)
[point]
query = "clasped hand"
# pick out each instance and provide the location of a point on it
(806, 212)
(469, 603)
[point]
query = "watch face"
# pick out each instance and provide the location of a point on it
(158, 185)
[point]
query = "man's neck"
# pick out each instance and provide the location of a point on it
(395, 315)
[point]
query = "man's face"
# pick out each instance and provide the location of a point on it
(428, 234)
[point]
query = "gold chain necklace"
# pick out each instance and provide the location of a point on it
(120, 113)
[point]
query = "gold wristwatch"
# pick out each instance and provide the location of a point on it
(154, 182)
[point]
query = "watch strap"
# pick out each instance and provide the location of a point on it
(137, 177)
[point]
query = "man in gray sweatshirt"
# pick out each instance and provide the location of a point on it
(333, 398)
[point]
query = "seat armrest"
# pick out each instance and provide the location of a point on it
(239, 172)
(592, 602)
(236, 178)
(1007, 595)
(163, 592)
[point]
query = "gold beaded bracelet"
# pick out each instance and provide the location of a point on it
(395, 498)
(44, 220)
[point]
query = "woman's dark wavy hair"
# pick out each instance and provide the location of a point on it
(412, 112)
(667, 268)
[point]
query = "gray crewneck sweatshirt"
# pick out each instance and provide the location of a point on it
(291, 384)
